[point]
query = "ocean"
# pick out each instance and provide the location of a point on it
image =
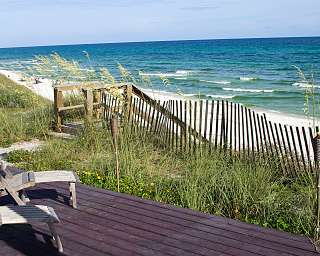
(255, 72)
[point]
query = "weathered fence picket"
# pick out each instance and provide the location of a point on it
(215, 125)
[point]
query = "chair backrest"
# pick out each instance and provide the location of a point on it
(3, 170)
(4, 174)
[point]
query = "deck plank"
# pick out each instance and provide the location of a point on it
(153, 220)
(110, 223)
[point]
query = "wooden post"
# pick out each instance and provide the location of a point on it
(222, 132)
(128, 99)
(114, 132)
(58, 103)
(88, 104)
(185, 130)
(282, 154)
(235, 127)
(242, 122)
(251, 131)
(247, 131)
(211, 126)
(301, 148)
(316, 150)
(195, 126)
(285, 149)
(133, 115)
(295, 148)
(182, 128)
(239, 130)
(108, 106)
(177, 125)
(97, 99)
(231, 123)
(206, 123)
(200, 123)
(190, 122)
(290, 149)
(217, 126)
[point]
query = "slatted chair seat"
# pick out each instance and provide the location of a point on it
(63, 176)
(31, 214)
(27, 214)
(53, 176)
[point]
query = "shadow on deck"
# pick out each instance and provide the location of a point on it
(109, 223)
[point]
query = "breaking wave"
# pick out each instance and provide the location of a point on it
(246, 90)
(215, 82)
(305, 85)
(178, 73)
(245, 78)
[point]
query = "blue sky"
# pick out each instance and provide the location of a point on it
(45, 22)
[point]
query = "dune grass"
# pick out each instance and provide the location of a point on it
(23, 115)
(215, 184)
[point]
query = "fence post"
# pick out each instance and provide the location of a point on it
(58, 103)
(316, 150)
(115, 131)
(97, 99)
(128, 98)
(88, 105)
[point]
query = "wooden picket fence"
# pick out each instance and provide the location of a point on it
(214, 125)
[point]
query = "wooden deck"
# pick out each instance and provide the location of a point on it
(109, 223)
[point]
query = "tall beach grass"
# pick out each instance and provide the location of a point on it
(214, 183)
(23, 115)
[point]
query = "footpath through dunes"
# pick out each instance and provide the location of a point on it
(110, 223)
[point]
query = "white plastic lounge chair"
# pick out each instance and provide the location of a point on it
(18, 182)
(31, 214)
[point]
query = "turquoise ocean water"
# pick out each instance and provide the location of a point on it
(256, 72)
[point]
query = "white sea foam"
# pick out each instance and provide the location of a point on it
(185, 72)
(305, 85)
(221, 96)
(181, 78)
(178, 73)
(215, 82)
(189, 94)
(244, 78)
(209, 95)
(245, 90)
(161, 74)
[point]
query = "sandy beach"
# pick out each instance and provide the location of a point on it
(44, 88)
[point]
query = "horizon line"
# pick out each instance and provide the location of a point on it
(159, 41)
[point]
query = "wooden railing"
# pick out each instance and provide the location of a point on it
(91, 94)
(214, 125)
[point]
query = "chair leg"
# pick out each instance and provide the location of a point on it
(73, 195)
(24, 197)
(56, 236)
